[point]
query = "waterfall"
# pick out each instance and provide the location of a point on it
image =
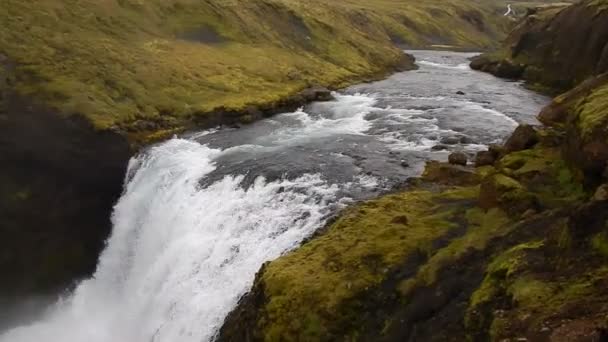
(181, 255)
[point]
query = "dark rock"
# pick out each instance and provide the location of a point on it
(458, 158)
(450, 140)
(317, 94)
(58, 183)
(448, 174)
(405, 164)
(460, 93)
(466, 140)
(402, 219)
(496, 150)
(485, 158)
(439, 148)
(524, 137)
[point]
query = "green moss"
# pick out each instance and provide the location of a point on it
(482, 227)
(504, 266)
(592, 112)
(545, 174)
(599, 242)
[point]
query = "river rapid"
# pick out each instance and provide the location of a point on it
(202, 212)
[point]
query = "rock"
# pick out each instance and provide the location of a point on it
(450, 140)
(601, 194)
(485, 158)
(405, 164)
(466, 140)
(402, 219)
(460, 93)
(458, 158)
(524, 137)
(497, 150)
(439, 148)
(317, 94)
(448, 174)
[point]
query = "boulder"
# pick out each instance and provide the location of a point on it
(601, 194)
(440, 147)
(485, 158)
(524, 137)
(458, 158)
(448, 174)
(496, 150)
(317, 94)
(450, 140)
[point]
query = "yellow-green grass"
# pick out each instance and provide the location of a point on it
(119, 61)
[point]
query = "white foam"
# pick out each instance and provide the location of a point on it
(462, 66)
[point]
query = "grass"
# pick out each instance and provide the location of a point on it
(120, 61)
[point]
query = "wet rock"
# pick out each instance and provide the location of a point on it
(466, 140)
(497, 150)
(485, 158)
(458, 158)
(405, 164)
(450, 140)
(439, 148)
(317, 94)
(601, 194)
(460, 93)
(524, 137)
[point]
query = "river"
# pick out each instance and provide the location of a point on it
(202, 212)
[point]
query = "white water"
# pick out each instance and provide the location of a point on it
(180, 256)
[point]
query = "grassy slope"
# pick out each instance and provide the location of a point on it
(119, 61)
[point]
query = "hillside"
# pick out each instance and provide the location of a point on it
(151, 65)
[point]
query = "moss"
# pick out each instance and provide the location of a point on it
(545, 174)
(482, 227)
(357, 253)
(592, 112)
(599, 242)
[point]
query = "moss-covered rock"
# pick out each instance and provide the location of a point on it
(554, 47)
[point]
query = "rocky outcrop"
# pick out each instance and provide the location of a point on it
(555, 47)
(58, 182)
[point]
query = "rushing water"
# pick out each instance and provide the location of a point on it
(201, 213)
